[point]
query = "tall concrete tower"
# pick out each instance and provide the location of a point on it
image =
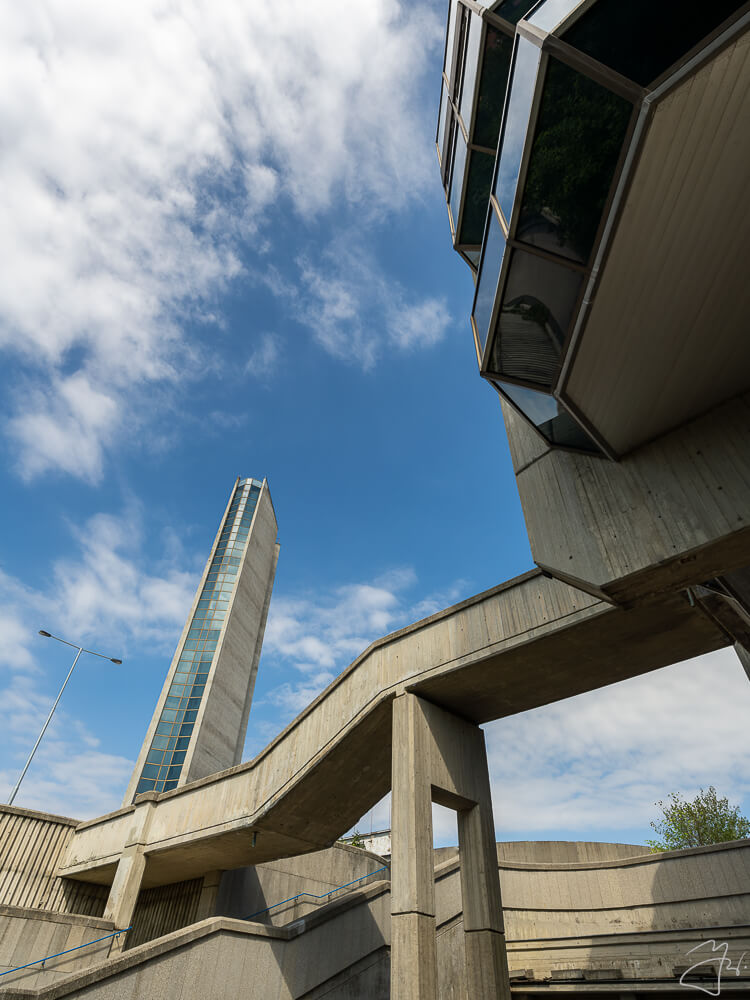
(200, 720)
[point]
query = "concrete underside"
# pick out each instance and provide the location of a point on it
(524, 644)
(665, 339)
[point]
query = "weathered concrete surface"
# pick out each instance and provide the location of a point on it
(669, 515)
(220, 958)
(442, 758)
(638, 915)
(523, 644)
(246, 891)
(31, 846)
(29, 935)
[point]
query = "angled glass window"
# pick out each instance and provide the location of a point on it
(476, 198)
(549, 14)
(578, 138)
(549, 417)
(513, 10)
(493, 83)
(450, 38)
(515, 123)
(459, 164)
(642, 40)
(492, 259)
(471, 62)
(537, 306)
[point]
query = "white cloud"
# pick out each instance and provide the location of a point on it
(601, 760)
(69, 775)
(356, 312)
(106, 588)
(320, 635)
(102, 591)
(144, 146)
(264, 357)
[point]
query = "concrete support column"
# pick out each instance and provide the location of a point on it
(484, 937)
(209, 895)
(413, 948)
(441, 757)
(126, 885)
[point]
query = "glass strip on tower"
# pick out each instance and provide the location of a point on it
(166, 755)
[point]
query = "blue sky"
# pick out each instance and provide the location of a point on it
(227, 253)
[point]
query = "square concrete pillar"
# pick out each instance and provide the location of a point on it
(441, 757)
(126, 884)
(413, 949)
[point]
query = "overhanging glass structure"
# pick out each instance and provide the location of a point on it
(567, 88)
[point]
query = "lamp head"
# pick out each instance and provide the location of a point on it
(47, 634)
(118, 662)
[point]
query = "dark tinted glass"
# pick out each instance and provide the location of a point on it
(513, 10)
(537, 306)
(492, 259)
(459, 166)
(641, 39)
(450, 36)
(548, 15)
(549, 417)
(579, 135)
(471, 62)
(479, 178)
(493, 82)
(515, 124)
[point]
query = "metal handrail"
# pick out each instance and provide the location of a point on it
(66, 952)
(313, 895)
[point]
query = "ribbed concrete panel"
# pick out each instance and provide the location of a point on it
(30, 848)
(31, 845)
(164, 909)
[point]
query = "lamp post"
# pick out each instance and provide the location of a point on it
(80, 649)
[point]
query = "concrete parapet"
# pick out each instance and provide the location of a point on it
(30, 935)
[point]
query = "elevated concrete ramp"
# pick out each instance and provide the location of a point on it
(526, 643)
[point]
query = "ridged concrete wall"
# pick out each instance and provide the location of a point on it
(31, 846)
(164, 909)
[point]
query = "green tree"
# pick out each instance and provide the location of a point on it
(706, 820)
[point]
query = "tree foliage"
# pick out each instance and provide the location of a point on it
(706, 819)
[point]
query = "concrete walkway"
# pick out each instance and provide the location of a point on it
(528, 642)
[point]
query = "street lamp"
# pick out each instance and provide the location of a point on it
(80, 649)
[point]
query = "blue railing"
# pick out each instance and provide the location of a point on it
(322, 895)
(41, 961)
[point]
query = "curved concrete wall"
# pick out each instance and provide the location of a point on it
(639, 914)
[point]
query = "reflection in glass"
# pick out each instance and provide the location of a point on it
(549, 14)
(492, 259)
(641, 39)
(514, 10)
(549, 417)
(470, 69)
(493, 82)
(450, 37)
(516, 121)
(457, 180)
(442, 122)
(537, 306)
(578, 137)
(478, 180)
